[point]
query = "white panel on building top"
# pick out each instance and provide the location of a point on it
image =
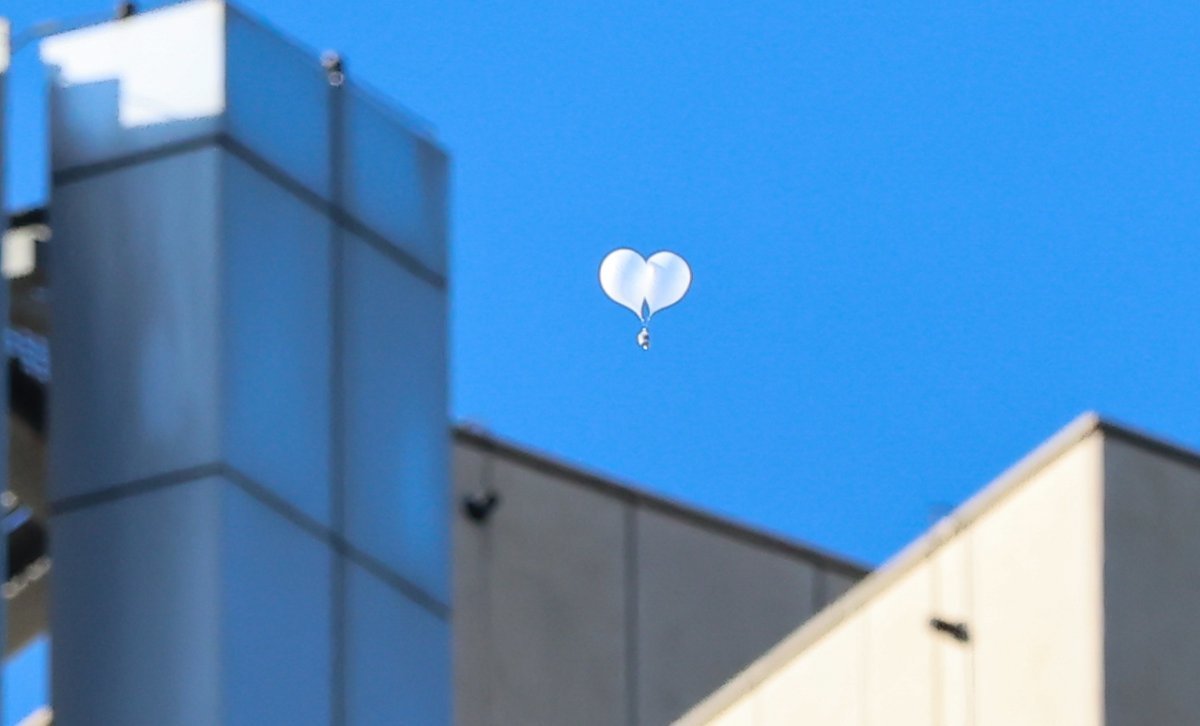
(168, 65)
(138, 83)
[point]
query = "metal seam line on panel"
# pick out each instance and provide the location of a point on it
(268, 498)
(936, 697)
(337, 493)
(631, 614)
(820, 588)
(864, 668)
(368, 562)
(76, 502)
(968, 546)
(487, 482)
(225, 141)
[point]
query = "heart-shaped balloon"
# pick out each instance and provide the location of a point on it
(645, 286)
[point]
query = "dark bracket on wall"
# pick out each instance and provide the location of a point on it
(958, 631)
(479, 507)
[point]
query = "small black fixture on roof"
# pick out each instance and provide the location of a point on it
(126, 10)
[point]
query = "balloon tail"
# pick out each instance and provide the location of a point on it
(643, 339)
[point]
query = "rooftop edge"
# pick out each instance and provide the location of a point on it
(612, 487)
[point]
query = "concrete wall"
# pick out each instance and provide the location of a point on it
(1020, 566)
(1151, 584)
(582, 601)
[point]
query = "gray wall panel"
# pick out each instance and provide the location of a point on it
(1151, 587)
(135, 363)
(707, 606)
(275, 617)
(395, 181)
(472, 674)
(124, 621)
(397, 657)
(211, 321)
(397, 447)
(278, 101)
(553, 604)
(276, 358)
(569, 608)
(836, 585)
(245, 634)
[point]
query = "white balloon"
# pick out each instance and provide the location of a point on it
(670, 278)
(624, 277)
(644, 286)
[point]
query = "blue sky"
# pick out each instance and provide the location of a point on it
(924, 236)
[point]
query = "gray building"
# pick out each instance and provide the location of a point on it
(580, 600)
(257, 509)
(576, 598)
(248, 480)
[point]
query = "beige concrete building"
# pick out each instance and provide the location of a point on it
(1064, 594)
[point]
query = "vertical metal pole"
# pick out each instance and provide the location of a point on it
(336, 75)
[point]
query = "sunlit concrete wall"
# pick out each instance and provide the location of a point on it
(249, 452)
(581, 601)
(1023, 568)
